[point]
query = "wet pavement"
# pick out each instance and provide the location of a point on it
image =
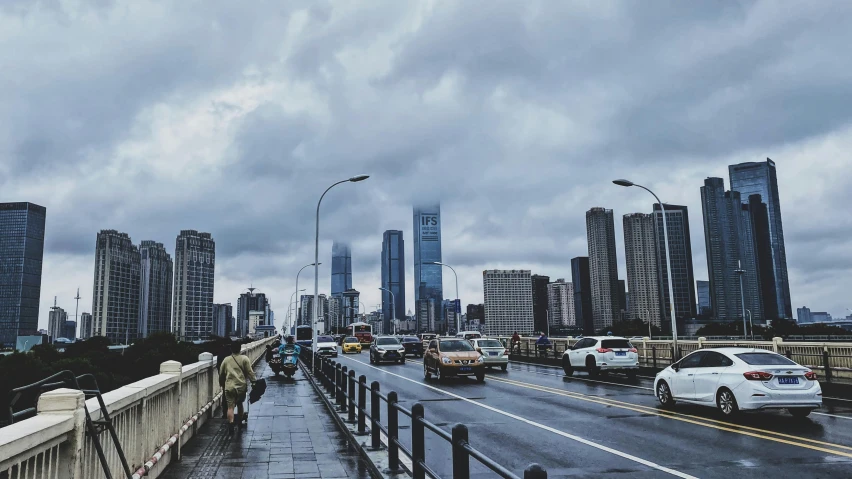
(290, 435)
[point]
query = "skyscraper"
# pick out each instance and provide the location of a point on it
(428, 278)
(603, 267)
(85, 325)
(21, 254)
(249, 301)
(393, 276)
(508, 302)
(581, 279)
(560, 296)
(56, 320)
(680, 254)
(155, 296)
(760, 178)
(642, 275)
(341, 268)
(540, 301)
(223, 319)
(705, 307)
(764, 264)
(351, 305)
(69, 329)
(195, 263)
(425, 315)
(115, 298)
(306, 310)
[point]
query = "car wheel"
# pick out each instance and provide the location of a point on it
(727, 403)
(480, 377)
(799, 411)
(566, 366)
(592, 367)
(426, 373)
(402, 361)
(664, 395)
(504, 367)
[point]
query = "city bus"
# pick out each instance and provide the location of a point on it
(362, 331)
(304, 335)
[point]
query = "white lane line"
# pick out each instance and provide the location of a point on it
(832, 415)
(837, 399)
(542, 426)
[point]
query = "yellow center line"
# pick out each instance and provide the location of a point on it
(687, 418)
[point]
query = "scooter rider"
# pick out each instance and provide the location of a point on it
(290, 343)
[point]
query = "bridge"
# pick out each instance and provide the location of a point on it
(328, 425)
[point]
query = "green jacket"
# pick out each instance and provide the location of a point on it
(234, 371)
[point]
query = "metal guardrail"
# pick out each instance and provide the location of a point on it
(350, 397)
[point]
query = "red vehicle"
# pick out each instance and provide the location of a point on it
(362, 331)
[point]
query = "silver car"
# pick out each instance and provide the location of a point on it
(493, 352)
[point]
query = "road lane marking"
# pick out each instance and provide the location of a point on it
(697, 420)
(544, 427)
(832, 415)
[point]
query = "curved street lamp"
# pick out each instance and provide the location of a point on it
(628, 183)
(290, 309)
(458, 314)
(353, 179)
(300, 272)
(393, 309)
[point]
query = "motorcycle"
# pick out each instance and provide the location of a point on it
(286, 362)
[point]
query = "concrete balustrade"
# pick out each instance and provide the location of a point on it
(153, 418)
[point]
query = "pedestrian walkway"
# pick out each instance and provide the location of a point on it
(290, 435)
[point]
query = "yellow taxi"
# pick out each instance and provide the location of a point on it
(351, 344)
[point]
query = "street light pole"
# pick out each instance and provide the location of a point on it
(629, 183)
(297, 277)
(740, 271)
(393, 308)
(751, 325)
(290, 306)
(353, 179)
(458, 315)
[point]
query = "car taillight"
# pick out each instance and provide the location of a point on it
(633, 350)
(811, 375)
(757, 376)
(604, 350)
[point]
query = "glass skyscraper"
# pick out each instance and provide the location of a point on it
(680, 246)
(155, 289)
(760, 178)
(393, 277)
(428, 278)
(21, 255)
(341, 268)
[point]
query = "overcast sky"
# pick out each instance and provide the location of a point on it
(232, 117)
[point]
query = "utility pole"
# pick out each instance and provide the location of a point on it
(76, 311)
(55, 310)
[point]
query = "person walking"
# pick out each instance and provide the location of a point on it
(234, 375)
(223, 353)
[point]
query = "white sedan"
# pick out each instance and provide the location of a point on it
(735, 379)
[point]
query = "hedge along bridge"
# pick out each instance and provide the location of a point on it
(152, 419)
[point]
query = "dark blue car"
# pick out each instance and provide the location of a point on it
(413, 346)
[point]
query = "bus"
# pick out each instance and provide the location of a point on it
(304, 335)
(362, 331)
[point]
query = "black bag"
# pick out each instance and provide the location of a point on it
(257, 390)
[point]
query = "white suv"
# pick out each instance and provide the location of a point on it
(601, 353)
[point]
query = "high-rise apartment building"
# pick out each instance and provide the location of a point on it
(21, 255)
(560, 296)
(306, 310)
(642, 275)
(705, 307)
(195, 263)
(69, 329)
(115, 298)
(223, 319)
(155, 295)
(803, 315)
(85, 325)
(393, 277)
(582, 281)
(603, 267)
(249, 301)
(428, 278)
(334, 314)
(540, 301)
(351, 304)
(680, 254)
(760, 178)
(56, 319)
(425, 317)
(508, 302)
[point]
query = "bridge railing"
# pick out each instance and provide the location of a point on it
(153, 418)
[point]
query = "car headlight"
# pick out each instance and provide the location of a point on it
(446, 360)
(480, 359)
(400, 350)
(380, 350)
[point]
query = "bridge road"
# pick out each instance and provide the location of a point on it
(581, 428)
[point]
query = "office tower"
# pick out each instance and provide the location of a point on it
(306, 309)
(603, 267)
(760, 178)
(704, 305)
(540, 301)
(115, 298)
(393, 276)
(476, 312)
(85, 325)
(683, 278)
(155, 297)
(350, 307)
(195, 263)
(335, 322)
(803, 315)
(747, 266)
(341, 268)
(582, 281)
(223, 319)
(56, 319)
(428, 278)
(642, 275)
(69, 329)
(763, 262)
(324, 323)
(21, 254)
(560, 295)
(448, 312)
(249, 301)
(722, 222)
(508, 302)
(425, 317)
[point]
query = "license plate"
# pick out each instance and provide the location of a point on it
(465, 369)
(621, 353)
(492, 354)
(788, 380)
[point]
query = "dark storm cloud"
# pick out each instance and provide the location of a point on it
(232, 119)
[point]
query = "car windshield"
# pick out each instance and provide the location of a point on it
(453, 346)
(325, 339)
(616, 344)
(387, 341)
(765, 359)
(350, 340)
(489, 343)
(410, 340)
